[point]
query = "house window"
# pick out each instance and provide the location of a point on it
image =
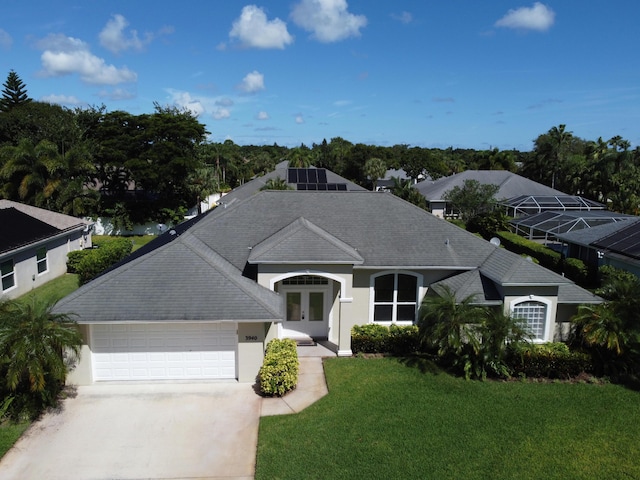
(533, 314)
(305, 280)
(395, 297)
(7, 275)
(41, 259)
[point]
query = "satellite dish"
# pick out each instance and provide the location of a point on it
(495, 241)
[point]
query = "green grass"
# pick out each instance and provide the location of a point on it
(137, 240)
(386, 420)
(53, 290)
(9, 434)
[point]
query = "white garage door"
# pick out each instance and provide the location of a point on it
(164, 351)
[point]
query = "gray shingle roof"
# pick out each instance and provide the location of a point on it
(470, 284)
(385, 230)
(303, 242)
(253, 186)
(508, 268)
(511, 184)
(181, 280)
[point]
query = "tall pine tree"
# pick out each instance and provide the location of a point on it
(14, 93)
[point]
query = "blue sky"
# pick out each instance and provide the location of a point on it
(466, 73)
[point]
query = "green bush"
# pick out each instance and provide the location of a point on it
(550, 360)
(369, 338)
(515, 243)
(91, 262)
(279, 372)
(374, 338)
(576, 270)
(403, 340)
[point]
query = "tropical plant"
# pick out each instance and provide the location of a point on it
(611, 330)
(276, 184)
(450, 328)
(37, 349)
(404, 189)
(374, 169)
(502, 335)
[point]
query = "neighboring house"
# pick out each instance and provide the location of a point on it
(510, 185)
(615, 244)
(34, 244)
(387, 183)
(203, 300)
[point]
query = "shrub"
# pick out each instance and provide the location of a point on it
(515, 243)
(279, 372)
(549, 360)
(398, 340)
(403, 340)
(370, 338)
(576, 270)
(89, 263)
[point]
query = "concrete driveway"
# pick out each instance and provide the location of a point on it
(153, 431)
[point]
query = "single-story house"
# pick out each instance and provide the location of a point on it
(510, 185)
(202, 300)
(34, 244)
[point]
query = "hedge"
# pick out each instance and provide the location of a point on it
(549, 360)
(515, 243)
(279, 372)
(89, 263)
(375, 338)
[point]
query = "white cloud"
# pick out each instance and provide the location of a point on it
(253, 82)
(539, 17)
(62, 100)
(404, 17)
(253, 29)
(299, 119)
(221, 113)
(262, 115)
(186, 101)
(67, 55)
(327, 20)
(113, 38)
(5, 40)
(224, 102)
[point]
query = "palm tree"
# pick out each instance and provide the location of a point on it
(374, 169)
(276, 184)
(28, 171)
(37, 347)
(451, 328)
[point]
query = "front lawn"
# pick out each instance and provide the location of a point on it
(385, 419)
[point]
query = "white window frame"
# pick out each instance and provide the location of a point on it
(11, 274)
(44, 260)
(394, 303)
(548, 330)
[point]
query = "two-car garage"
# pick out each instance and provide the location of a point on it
(164, 351)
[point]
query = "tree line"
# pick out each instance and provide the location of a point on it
(153, 167)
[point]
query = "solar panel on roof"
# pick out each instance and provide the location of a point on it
(292, 176)
(312, 186)
(332, 186)
(302, 186)
(342, 186)
(302, 175)
(322, 175)
(322, 186)
(313, 175)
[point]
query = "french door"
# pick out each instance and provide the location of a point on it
(307, 311)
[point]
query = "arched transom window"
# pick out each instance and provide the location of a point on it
(534, 315)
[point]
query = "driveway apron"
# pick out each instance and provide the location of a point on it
(151, 431)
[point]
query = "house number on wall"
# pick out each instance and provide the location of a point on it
(250, 338)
